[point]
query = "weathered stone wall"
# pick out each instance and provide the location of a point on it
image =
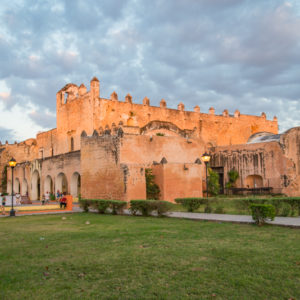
(278, 163)
(178, 180)
(263, 159)
(290, 143)
(102, 176)
(142, 149)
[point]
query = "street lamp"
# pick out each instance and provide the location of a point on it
(12, 163)
(206, 158)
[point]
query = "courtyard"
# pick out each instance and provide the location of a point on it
(92, 256)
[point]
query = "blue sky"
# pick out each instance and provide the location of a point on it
(228, 54)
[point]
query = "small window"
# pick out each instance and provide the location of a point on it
(72, 144)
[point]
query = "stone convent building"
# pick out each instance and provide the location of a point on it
(101, 147)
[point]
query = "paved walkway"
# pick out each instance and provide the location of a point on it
(282, 221)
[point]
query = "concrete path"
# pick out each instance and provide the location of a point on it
(283, 221)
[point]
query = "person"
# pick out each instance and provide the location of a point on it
(3, 204)
(58, 195)
(63, 201)
(18, 199)
(43, 200)
(47, 197)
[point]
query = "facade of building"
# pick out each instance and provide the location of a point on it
(101, 148)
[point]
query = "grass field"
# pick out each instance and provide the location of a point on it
(123, 257)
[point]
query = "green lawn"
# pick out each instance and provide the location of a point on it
(123, 257)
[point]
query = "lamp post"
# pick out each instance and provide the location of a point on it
(12, 163)
(206, 158)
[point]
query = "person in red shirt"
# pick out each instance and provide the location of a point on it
(63, 201)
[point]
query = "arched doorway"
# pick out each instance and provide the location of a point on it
(36, 187)
(75, 184)
(48, 185)
(62, 183)
(17, 186)
(24, 188)
(254, 181)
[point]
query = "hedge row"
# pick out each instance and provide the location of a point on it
(287, 205)
(146, 207)
(143, 207)
(102, 206)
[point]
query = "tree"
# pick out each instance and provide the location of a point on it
(233, 175)
(213, 182)
(152, 189)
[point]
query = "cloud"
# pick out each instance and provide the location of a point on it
(6, 135)
(227, 54)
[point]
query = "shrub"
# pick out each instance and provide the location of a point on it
(102, 205)
(152, 189)
(220, 210)
(208, 209)
(233, 175)
(262, 212)
(160, 134)
(84, 204)
(277, 203)
(191, 204)
(52, 197)
(145, 207)
(162, 207)
(117, 206)
(285, 210)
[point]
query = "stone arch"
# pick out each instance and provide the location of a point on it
(165, 127)
(130, 122)
(75, 185)
(35, 186)
(62, 183)
(48, 185)
(24, 188)
(254, 181)
(17, 186)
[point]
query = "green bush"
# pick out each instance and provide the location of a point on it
(219, 210)
(152, 189)
(84, 204)
(102, 205)
(233, 176)
(117, 206)
(262, 212)
(191, 204)
(145, 207)
(208, 209)
(285, 210)
(162, 207)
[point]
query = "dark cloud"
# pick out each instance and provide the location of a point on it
(228, 54)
